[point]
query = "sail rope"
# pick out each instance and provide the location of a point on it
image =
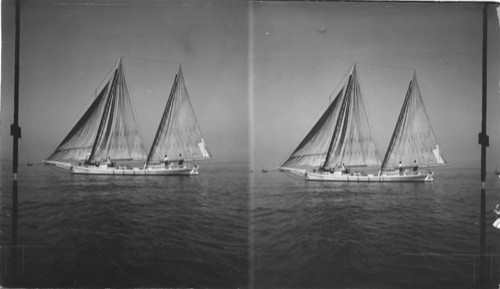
(166, 112)
(133, 103)
(134, 113)
(367, 112)
(106, 79)
(386, 66)
(190, 104)
(151, 60)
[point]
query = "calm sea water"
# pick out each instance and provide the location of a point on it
(229, 228)
(105, 231)
(372, 235)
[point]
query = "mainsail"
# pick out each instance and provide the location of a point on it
(107, 129)
(178, 132)
(341, 136)
(413, 138)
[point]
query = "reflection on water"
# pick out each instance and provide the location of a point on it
(100, 231)
(9, 251)
(385, 235)
(105, 231)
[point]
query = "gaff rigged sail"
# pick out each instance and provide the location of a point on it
(178, 132)
(107, 129)
(341, 136)
(413, 138)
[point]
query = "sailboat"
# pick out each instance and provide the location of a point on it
(341, 143)
(106, 138)
(29, 164)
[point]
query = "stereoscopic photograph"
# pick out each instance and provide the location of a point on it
(250, 144)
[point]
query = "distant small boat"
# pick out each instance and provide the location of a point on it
(29, 164)
(264, 170)
(497, 172)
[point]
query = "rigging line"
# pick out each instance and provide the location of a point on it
(134, 113)
(367, 112)
(90, 100)
(387, 66)
(163, 119)
(189, 100)
(421, 99)
(83, 109)
(318, 114)
(112, 69)
(195, 118)
(110, 100)
(150, 60)
(341, 118)
(342, 81)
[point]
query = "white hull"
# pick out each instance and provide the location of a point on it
(185, 170)
(159, 170)
(385, 177)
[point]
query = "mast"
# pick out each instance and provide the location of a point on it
(352, 142)
(178, 132)
(341, 115)
(166, 113)
(79, 132)
(105, 112)
(402, 114)
(413, 137)
(341, 135)
(108, 128)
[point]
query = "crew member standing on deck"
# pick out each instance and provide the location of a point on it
(344, 169)
(166, 161)
(181, 161)
(400, 168)
(109, 163)
(415, 167)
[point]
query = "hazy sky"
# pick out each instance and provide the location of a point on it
(67, 47)
(295, 54)
(303, 51)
